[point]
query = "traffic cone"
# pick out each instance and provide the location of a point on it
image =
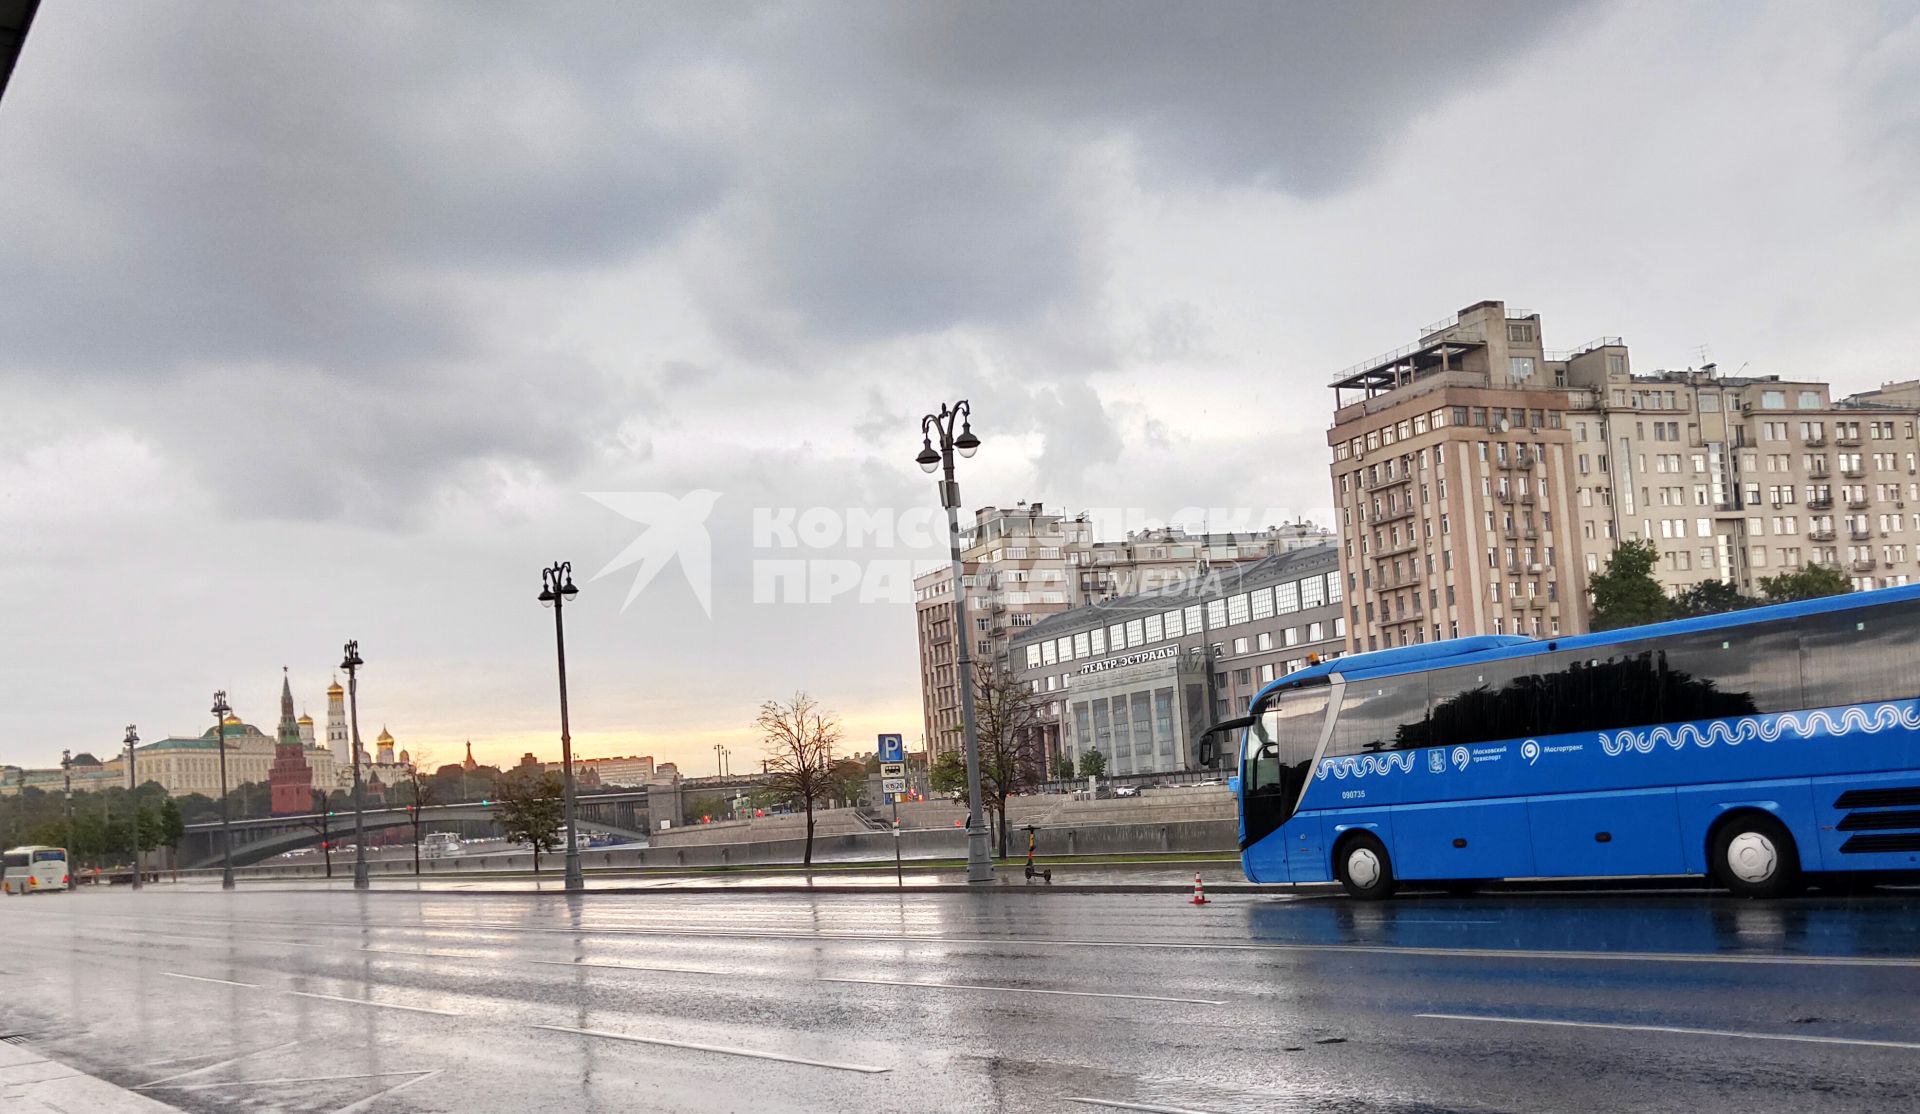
(1199, 891)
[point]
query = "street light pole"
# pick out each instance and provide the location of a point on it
(66, 800)
(133, 786)
(352, 663)
(979, 864)
(220, 710)
(556, 588)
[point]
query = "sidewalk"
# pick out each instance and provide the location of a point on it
(1220, 877)
(32, 1084)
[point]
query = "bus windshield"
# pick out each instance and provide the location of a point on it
(1279, 751)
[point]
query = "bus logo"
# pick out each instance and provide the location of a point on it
(1530, 750)
(1460, 758)
(1437, 761)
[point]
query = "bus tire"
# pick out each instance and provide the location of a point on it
(1754, 856)
(1364, 870)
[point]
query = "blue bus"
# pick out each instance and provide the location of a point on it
(1753, 747)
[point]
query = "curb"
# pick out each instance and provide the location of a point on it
(31, 1082)
(1182, 889)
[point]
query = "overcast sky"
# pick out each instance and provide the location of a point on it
(316, 328)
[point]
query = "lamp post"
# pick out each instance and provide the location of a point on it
(556, 588)
(719, 763)
(352, 662)
(66, 798)
(220, 710)
(931, 459)
(133, 785)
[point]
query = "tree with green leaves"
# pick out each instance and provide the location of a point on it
(530, 809)
(1006, 717)
(1063, 766)
(1092, 762)
(1625, 594)
(1809, 583)
(948, 774)
(1709, 597)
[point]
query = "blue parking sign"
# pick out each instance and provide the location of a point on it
(893, 748)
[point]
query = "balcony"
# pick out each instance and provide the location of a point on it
(1367, 484)
(1856, 504)
(1523, 498)
(1860, 535)
(1816, 441)
(1395, 515)
(1407, 546)
(1854, 473)
(1863, 565)
(1847, 441)
(1823, 504)
(1515, 533)
(1820, 535)
(1819, 471)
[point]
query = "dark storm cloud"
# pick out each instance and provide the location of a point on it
(266, 210)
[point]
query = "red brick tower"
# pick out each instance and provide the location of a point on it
(290, 776)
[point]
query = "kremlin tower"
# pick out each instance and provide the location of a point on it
(290, 776)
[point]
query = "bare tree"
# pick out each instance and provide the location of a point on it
(422, 792)
(1005, 717)
(800, 738)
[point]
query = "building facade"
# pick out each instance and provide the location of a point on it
(1023, 564)
(1452, 481)
(1481, 478)
(1139, 677)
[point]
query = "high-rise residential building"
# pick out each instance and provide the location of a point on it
(1452, 482)
(1025, 563)
(1481, 478)
(1741, 478)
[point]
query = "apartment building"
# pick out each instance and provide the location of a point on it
(1025, 563)
(1481, 478)
(1453, 483)
(1016, 572)
(1739, 479)
(1140, 677)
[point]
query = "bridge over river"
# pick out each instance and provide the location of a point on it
(624, 813)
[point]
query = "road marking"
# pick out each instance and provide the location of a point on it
(627, 967)
(1034, 942)
(749, 1053)
(309, 1079)
(1113, 1105)
(367, 1002)
(1796, 1037)
(220, 1064)
(352, 1107)
(203, 978)
(1023, 990)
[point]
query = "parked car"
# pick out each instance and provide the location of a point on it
(1126, 791)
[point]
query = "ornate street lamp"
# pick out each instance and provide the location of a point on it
(352, 662)
(133, 785)
(931, 459)
(556, 588)
(220, 711)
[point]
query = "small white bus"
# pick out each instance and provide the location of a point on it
(35, 869)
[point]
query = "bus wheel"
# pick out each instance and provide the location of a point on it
(1754, 856)
(1364, 869)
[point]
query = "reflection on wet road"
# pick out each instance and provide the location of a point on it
(331, 1001)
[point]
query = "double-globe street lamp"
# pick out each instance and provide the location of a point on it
(133, 796)
(352, 662)
(556, 588)
(940, 425)
(220, 711)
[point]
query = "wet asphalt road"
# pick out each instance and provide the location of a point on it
(436, 1001)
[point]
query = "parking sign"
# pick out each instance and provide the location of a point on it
(893, 748)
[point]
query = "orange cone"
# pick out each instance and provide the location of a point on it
(1199, 891)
